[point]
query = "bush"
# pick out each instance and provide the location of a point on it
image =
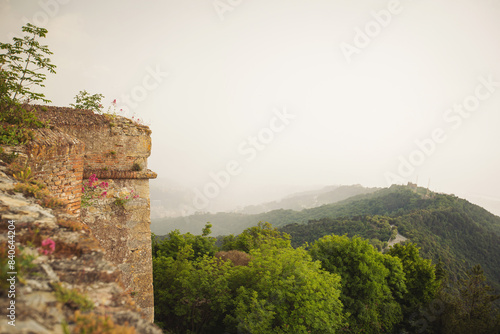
(86, 101)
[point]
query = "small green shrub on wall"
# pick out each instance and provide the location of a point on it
(83, 100)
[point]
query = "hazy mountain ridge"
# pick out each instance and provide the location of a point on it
(235, 222)
(168, 201)
(396, 200)
(309, 199)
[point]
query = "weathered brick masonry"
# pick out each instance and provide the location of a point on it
(56, 159)
(81, 143)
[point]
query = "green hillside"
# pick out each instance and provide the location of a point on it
(447, 228)
(377, 229)
(393, 201)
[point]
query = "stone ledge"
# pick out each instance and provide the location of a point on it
(120, 174)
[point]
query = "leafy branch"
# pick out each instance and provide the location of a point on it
(21, 64)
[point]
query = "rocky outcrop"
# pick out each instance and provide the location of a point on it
(70, 286)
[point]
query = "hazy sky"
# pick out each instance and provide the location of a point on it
(264, 94)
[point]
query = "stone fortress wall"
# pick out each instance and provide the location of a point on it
(80, 143)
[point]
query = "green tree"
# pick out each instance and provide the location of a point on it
(20, 68)
(283, 291)
(21, 65)
(372, 284)
(256, 237)
(471, 309)
(175, 241)
(422, 285)
(190, 296)
(420, 275)
(83, 100)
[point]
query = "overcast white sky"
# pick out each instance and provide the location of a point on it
(362, 81)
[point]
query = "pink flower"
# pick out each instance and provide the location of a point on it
(114, 101)
(104, 194)
(48, 246)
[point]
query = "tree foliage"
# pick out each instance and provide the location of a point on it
(341, 284)
(21, 66)
(20, 71)
(469, 309)
(420, 274)
(280, 290)
(283, 291)
(176, 242)
(256, 237)
(83, 100)
(372, 284)
(421, 283)
(190, 296)
(376, 228)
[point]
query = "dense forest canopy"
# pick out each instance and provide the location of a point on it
(256, 282)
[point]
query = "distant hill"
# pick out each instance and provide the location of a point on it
(168, 201)
(310, 199)
(378, 229)
(446, 227)
(235, 222)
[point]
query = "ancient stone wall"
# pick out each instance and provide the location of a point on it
(123, 230)
(77, 264)
(111, 143)
(55, 158)
(115, 150)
